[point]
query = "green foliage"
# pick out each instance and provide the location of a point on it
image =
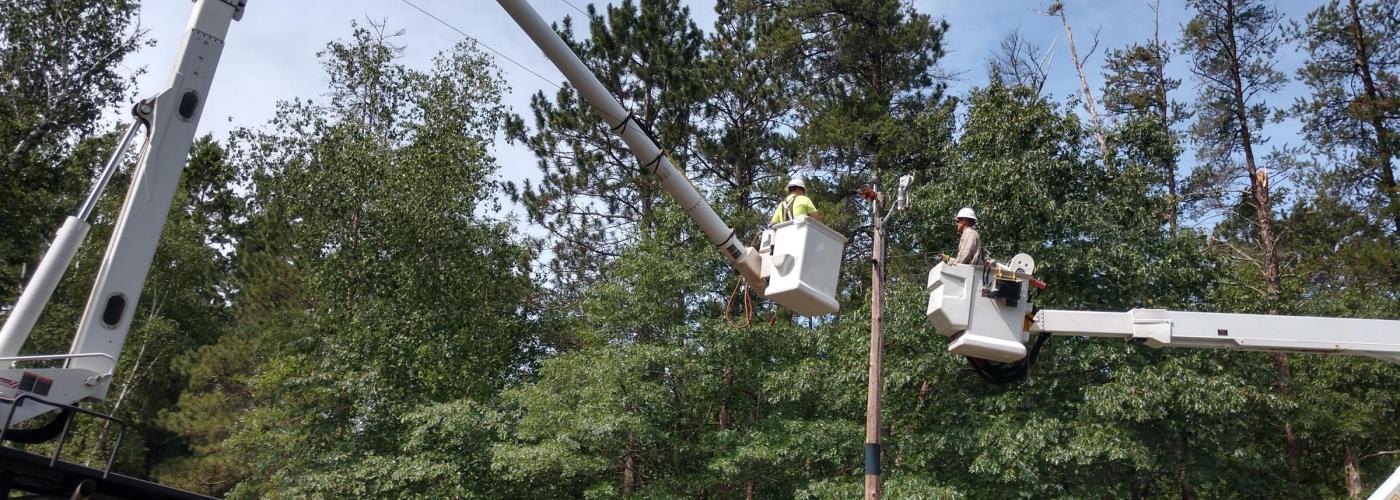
(752, 87)
(369, 280)
(58, 72)
(593, 197)
(1233, 45)
(1353, 113)
(1137, 92)
(334, 311)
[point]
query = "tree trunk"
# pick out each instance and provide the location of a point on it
(1188, 491)
(1084, 88)
(1351, 471)
(1168, 167)
(630, 467)
(1259, 191)
(1144, 485)
(1384, 138)
(726, 417)
(1292, 449)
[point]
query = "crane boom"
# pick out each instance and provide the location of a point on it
(171, 119)
(987, 314)
(1247, 332)
(633, 132)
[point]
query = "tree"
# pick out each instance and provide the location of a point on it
(58, 73)
(1057, 9)
(593, 196)
(371, 279)
(743, 151)
(869, 65)
(1136, 91)
(1018, 62)
(1353, 111)
(1232, 44)
(1345, 265)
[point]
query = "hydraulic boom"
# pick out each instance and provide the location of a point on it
(169, 120)
(744, 258)
(987, 314)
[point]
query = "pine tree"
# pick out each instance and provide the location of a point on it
(743, 151)
(1353, 112)
(1137, 92)
(594, 197)
(1351, 117)
(1232, 44)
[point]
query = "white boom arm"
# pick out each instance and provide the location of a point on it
(987, 314)
(171, 118)
(1247, 332)
(744, 259)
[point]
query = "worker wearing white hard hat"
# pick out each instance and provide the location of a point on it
(969, 242)
(796, 204)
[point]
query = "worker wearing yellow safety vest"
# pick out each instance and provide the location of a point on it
(969, 242)
(797, 203)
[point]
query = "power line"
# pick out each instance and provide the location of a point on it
(580, 11)
(479, 42)
(502, 54)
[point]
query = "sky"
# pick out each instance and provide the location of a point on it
(270, 55)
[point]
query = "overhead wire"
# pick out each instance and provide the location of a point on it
(478, 41)
(580, 11)
(502, 55)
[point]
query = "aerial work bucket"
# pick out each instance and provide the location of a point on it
(982, 316)
(806, 265)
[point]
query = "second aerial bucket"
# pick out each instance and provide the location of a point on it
(806, 266)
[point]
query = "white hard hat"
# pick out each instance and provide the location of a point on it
(967, 213)
(797, 181)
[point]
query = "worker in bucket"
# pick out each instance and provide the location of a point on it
(797, 203)
(969, 242)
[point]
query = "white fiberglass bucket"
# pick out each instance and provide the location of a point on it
(806, 266)
(977, 326)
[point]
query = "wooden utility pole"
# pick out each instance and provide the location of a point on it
(877, 346)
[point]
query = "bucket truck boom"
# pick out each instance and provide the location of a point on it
(987, 314)
(804, 278)
(170, 119)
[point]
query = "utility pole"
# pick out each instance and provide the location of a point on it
(875, 389)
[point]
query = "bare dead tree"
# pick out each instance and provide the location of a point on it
(1057, 9)
(1020, 63)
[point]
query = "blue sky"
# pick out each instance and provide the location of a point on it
(271, 54)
